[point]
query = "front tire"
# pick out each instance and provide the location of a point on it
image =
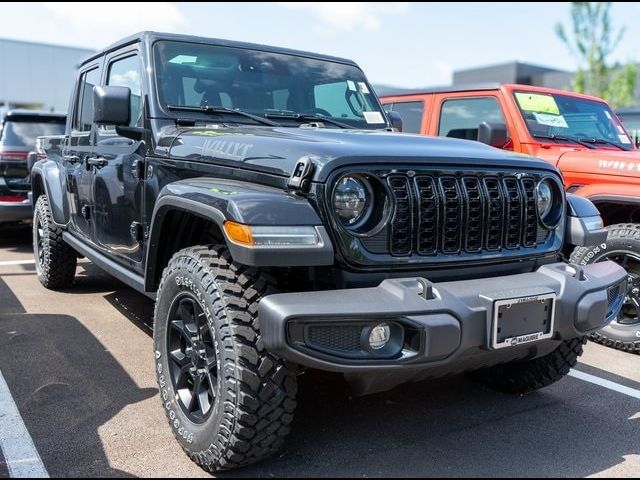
(229, 402)
(527, 376)
(623, 247)
(55, 260)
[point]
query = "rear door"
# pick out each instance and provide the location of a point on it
(78, 148)
(117, 167)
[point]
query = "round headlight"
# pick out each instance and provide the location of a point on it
(350, 199)
(544, 198)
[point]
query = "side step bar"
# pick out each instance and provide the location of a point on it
(131, 279)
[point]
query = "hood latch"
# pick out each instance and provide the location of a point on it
(302, 174)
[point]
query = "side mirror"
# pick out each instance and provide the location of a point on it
(396, 120)
(111, 105)
(32, 158)
(493, 134)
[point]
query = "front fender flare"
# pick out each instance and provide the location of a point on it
(225, 200)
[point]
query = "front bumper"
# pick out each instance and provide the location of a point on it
(444, 328)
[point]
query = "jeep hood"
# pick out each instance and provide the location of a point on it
(276, 150)
(601, 162)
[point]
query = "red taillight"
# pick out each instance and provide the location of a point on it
(12, 199)
(13, 155)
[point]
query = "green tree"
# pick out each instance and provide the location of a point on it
(593, 39)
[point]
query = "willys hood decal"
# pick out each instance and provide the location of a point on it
(277, 150)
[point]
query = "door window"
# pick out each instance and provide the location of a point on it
(460, 118)
(411, 113)
(125, 72)
(84, 109)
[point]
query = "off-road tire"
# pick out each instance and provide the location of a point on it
(527, 376)
(256, 390)
(623, 237)
(56, 261)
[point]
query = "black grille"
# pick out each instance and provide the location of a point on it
(513, 219)
(495, 210)
(428, 220)
(474, 214)
(451, 214)
(530, 233)
(401, 223)
(454, 213)
(335, 338)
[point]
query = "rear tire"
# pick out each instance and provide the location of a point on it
(623, 247)
(55, 260)
(246, 396)
(528, 376)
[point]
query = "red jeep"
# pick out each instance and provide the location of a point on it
(579, 134)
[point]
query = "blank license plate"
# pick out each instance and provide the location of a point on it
(517, 321)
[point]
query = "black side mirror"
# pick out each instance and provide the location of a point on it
(493, 134)
(111, 105)
(32, 158)
(396, 120)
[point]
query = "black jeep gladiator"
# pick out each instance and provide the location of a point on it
(262, 197)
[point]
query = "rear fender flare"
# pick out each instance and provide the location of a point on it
(46, 175)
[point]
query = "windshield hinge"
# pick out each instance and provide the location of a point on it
(300, 179)
(138, 170)
(137, 232)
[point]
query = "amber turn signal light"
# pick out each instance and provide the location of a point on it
(238, 233)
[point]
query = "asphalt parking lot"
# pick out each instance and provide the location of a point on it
(79, 367)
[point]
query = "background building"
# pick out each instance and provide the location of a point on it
(515, 72)
(36, 75)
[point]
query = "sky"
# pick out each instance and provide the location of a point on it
(405, 44)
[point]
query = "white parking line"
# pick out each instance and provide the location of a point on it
(17, 262)
(18, 450)
(616, 387)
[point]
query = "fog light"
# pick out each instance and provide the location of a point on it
(379, 336)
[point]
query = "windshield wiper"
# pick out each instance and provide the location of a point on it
(305, 117)
(217, 110)
(565, 139)
(602, 141)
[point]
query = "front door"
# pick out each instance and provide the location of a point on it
(77, 148)
(117, 164)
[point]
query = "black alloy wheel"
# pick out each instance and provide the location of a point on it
(630, 312)
(193, 364)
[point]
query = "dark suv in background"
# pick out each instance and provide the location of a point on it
(18, 134)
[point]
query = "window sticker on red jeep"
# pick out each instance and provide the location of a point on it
(535, 102)
(557, 121)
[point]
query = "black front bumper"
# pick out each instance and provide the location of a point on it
(443, 328)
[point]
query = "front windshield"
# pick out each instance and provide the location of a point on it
(266, 84)
(572, 118)
(632, 122)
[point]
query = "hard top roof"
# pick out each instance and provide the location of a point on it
(488, 87)
(150, 37)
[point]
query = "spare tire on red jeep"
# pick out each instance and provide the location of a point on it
(623, 247)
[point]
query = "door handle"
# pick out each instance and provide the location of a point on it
(72, 158)
(98, 162)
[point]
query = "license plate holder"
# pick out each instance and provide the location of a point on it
(523, 320)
